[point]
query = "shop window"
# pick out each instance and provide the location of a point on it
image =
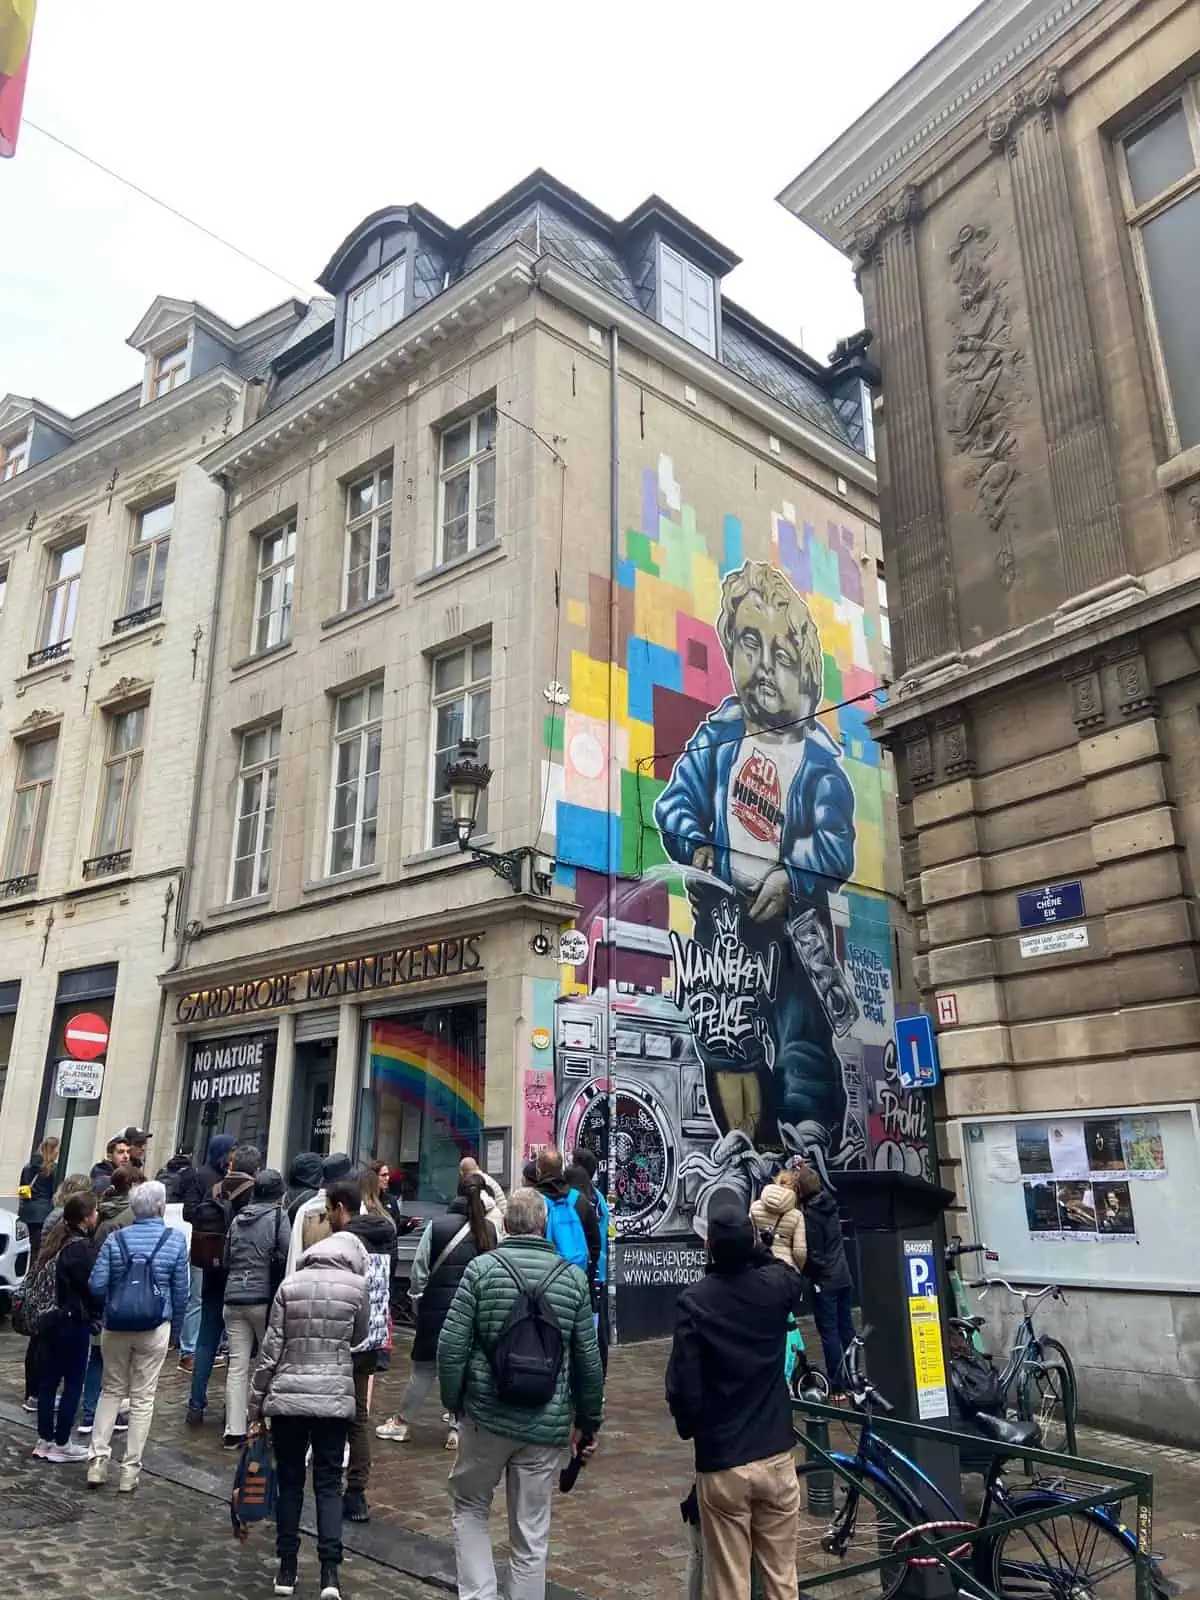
(462, 708)
(228, 1090)
(422, 1108)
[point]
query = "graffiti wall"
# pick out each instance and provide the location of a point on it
(742, 965)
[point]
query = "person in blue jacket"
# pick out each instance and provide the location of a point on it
(758, 802)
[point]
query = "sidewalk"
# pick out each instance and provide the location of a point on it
(619, 1533)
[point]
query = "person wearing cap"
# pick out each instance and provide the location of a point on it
(137, 1139)
(728, 1394)
(334, 1168)
(116, 1154)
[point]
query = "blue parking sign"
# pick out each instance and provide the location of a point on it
(916, 1053)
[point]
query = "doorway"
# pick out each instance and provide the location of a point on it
(312, 1097)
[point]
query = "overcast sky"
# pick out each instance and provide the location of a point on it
(281, 123)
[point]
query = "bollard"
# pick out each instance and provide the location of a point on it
(819, 1483)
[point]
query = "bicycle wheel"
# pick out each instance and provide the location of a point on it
(1056, 1355)
(1077, 1555)
(1047, 1396)
(858, 1530)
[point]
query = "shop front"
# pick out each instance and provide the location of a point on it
(228, 1090)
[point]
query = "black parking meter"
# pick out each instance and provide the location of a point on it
(905, 1300)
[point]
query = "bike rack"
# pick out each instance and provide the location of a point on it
(930, 1544)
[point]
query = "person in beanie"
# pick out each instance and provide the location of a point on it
(728, 1394)
(305, 1177)
(334, 1169)
(255, 1251)
(304, 1385)
(498, 1439)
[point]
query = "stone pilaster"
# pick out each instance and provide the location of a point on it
(1081, 471)
(886, 252)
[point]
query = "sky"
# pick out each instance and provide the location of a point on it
(280, 124)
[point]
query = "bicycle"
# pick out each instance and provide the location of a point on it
(1038, 1368)
(1076, 1555)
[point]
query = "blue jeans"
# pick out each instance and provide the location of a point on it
(191, 1317)
(835, 1324)
(63, 1348)
(91, 1386)
(208, 1339)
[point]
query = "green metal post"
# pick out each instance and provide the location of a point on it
(820, 1483)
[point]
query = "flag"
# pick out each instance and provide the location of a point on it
(16, 31)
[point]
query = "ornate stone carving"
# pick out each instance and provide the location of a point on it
(1087, 703)
(35, 720)
(918, 758)
(983, 366)
(957, 760)
(902, 212)
(124, 688)
(1039, 99)
(147, 484)
(1135, 695)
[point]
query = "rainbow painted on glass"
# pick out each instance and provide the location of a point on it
(423, 1072)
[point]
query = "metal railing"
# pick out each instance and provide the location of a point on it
(105, 866)
(12, 888)
(136, 619)
(50, 652)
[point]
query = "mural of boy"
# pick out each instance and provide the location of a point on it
(760, 810)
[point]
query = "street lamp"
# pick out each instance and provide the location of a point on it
(468, 778)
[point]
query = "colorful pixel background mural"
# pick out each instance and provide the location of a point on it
(744, 968)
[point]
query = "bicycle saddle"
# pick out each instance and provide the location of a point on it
(968, 1324)
(1025, 1435)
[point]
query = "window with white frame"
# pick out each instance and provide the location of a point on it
(122, 782)
(368, 571)
(686, 300)
(1160, 177)
(62, 595)
(254, 821)
(885, 623)
(354, 800)
(170, 370)
(30, 807)
(273, 588)
(374, 306)
(462, 706)
(467, 486)
(148, 558)
(14, 457)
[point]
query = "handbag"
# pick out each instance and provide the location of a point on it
(254, 1486)
(35, 1298)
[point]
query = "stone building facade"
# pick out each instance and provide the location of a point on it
(109, 533)
(1023, 209)
(503, 486)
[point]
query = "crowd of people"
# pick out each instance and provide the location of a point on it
(295, 1280)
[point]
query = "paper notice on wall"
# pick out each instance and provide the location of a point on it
(1068, 1152)
(1114, 1213)
(1041, 1209)
(929, 1363)
(1001, 1162)
(1142, 1144)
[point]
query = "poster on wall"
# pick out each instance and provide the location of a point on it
(739, 974)
(1141, 1141)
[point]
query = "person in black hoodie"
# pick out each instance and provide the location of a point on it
(727, 1391)
(377, 1231)
(174, 1176)
(448, 1245)
(65, 1335)
(829, 1273)
(304, 1179)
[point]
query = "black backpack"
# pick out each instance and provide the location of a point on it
(976, 1385)
(528, 1351)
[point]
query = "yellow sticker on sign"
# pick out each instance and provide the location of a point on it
(928, 1361)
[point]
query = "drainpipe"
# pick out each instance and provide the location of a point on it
(185, 894)
(614, 778)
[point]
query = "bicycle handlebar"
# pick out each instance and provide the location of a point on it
(1024, 1295)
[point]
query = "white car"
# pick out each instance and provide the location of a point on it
(14, 1250)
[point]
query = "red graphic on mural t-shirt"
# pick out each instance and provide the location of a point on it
(757, 798)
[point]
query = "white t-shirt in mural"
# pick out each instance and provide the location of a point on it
(763, 773)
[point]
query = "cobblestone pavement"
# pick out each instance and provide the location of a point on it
(619, 1533)
(165, 1541)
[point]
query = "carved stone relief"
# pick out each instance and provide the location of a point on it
(957, 760)
(1135, 694)
(1087, 703)
(918, 758)
(1039, 98)
(902, 212)
(35, 720)
(983, 370)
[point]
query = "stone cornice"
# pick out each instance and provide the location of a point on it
(1036, 99)
(945, 89)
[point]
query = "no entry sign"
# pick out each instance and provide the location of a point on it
(86, 1036)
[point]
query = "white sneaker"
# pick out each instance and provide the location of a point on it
(64, 1453)
(452, 1437)
(42, 1449)
(394, 1428)
(29, 1403)
(84, 1429)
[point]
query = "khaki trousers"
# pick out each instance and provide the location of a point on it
(749, 1513)
(132, 1363)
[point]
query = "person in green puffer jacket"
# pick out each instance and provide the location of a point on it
(505, 1441)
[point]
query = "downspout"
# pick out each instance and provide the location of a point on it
(185, 897)
(614, 781)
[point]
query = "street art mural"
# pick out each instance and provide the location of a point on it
(742, 968)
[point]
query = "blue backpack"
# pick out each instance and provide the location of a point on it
(565, 1231)
(135, 1302)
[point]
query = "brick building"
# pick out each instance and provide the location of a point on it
(109, 532)
(516, 481)
(1023, 207)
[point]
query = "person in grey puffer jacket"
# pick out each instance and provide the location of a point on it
(304, 1384)
(256, 1248)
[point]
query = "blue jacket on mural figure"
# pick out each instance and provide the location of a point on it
(759, 801)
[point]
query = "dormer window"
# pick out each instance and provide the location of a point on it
(375, 306)
(14, 457)
(170, 370)
(686, 303)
